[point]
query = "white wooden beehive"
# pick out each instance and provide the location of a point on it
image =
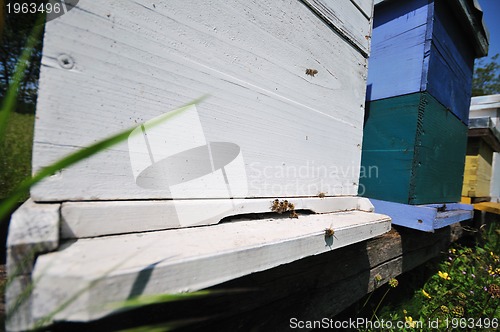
(267, 130)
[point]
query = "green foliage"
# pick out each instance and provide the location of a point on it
(14, 38)
(464, 289)
(75, 157)
(15, 153)
(16, 136)
(486, 79)
(13, 88)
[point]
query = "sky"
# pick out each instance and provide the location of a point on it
(491, 10)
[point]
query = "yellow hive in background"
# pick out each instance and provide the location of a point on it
(477, 174)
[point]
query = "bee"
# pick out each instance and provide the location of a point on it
(442, 208)
(291, 206)
(294, 214)
(281, 207)
(321, 195)
(275, 205)
(329, 232)
(311, 72)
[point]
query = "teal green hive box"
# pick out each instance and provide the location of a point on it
(413, 151)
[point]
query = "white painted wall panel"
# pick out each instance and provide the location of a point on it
(349, 17)
(366, 6)
(111, 65)
(495, 178)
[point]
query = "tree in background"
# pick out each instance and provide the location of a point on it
(14, 35)
(486, 80)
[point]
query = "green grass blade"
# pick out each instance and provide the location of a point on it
(144, 300)
(9, 102)
(11, 201)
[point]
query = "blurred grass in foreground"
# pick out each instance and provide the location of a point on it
(15, 153)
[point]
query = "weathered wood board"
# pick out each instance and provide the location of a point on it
(308, 289)
(427, 46)
(495, 178)
(345, 16)
(91, 219)
(111, 65)
(485, 124)
(397, 49)
(92, 274)
(451, 62)
(416, 161)
(491, 207)
(427, 218)
(478, 169)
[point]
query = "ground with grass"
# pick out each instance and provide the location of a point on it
(15, 152)
(459, 291)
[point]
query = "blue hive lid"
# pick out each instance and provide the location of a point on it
(470, 14)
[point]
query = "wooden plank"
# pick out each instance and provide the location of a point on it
(136, 60)
(489, 102)
(184, 259)
(478, 169)
(346, 17)
(398, 48)
(491, 207)
(466, 200)
(33, 229)
(439, 155)
(366, 6)
(309, 289)
(416, 161)
(388, 148)
(425, 46)
(489, 135)
(426, 218)
(495, 178)
(451, 62)
(90, 219)
(470, 15)
(18, 301)
(416, 217)
(487, 128)
(447, 218)
(485, 123)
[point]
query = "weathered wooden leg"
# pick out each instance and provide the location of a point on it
(34, 229)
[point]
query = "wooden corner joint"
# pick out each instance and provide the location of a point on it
(33, 230)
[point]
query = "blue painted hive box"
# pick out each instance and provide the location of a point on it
(418, 97)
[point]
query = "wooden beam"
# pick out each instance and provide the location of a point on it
(490, 207)
(309, 289)
(105, 270)
(425, 218)
(91, 219)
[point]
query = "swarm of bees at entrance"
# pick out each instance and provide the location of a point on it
(284, 206)
(311, 72)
